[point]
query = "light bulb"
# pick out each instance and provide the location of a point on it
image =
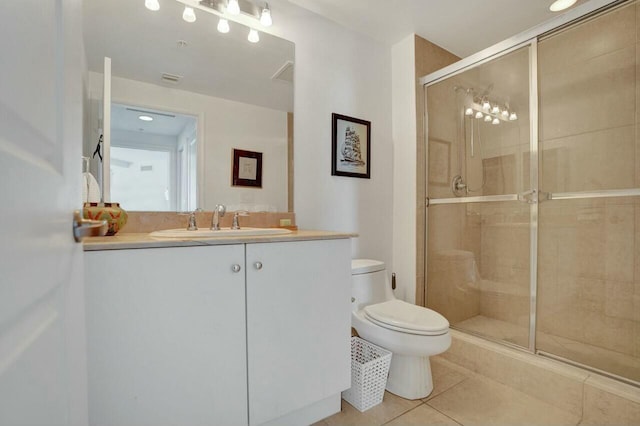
(253, 36)
(223, 26)
(265, 18)
(495, 121)
(145, 118)
(233, 7)
(479, 114)
(468, 111)
(152, 5)
(495, 109)
(189, 14)
(513, 116)
(559, 5)
(505, 114)
(487, 118)
(486, 105)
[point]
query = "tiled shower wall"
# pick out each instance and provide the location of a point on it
(588, 306)
(589, 257)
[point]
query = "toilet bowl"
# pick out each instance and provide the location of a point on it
(412, 333)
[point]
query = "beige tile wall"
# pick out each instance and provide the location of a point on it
(429, 58)
(143, 222)
(589, 280)
(589, 288)
(588, 97)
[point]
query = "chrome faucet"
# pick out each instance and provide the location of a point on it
(218, 212)
(236, 218)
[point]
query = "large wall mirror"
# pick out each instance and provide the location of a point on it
(183, 97)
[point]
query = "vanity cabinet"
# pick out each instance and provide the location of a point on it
(166, 336)
(176, 337)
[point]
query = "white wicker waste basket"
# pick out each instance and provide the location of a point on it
(369, 371)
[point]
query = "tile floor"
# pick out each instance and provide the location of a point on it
(460, 397)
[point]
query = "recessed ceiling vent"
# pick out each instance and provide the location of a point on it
(171, 78)
(285, 73)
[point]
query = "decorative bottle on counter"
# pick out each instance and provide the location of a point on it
(111, 212)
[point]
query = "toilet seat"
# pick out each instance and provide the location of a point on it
(407, 318)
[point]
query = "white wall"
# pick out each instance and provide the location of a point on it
(225, 125)
(403, 71)
(337, 70)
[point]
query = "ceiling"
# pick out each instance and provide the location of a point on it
(144, 44)
(125, 117)
(462, 27)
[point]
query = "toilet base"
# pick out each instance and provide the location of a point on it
(410, 376)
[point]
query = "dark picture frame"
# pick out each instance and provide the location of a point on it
(247, 168)
(350, 154)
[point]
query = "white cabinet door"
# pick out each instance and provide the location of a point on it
(298, 325)
(166, 336)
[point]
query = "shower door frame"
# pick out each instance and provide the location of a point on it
(533, 196)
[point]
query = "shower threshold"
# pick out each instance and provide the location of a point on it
(604, 361)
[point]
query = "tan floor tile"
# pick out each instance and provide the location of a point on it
(391, 407)
(422, 415)
(478, 401)
(444, 376)
(608, 402)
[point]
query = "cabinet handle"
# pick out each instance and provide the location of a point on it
(258, 265)
(236, 268)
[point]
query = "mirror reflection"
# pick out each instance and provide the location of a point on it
(207, 93)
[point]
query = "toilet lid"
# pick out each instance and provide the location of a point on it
(365, 266)
(403, 316)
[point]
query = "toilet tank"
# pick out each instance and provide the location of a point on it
(369, 283)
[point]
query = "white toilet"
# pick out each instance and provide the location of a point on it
(412, 333)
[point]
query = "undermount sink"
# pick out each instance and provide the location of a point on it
(223, 232)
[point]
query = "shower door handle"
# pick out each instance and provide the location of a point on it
(534, 196)
(529, 197)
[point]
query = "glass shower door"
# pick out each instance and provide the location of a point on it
(479, 217)
(589, 253)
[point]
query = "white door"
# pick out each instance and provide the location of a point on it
(42, 355)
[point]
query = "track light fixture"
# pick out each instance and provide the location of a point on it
(223, 9)
(189, 14)
(223, 26)
(265, 16)
(253, 36)
(487, 110)
(233, 7)
(152, 5)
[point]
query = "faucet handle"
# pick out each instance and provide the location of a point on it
(192, 226)
(236, 220)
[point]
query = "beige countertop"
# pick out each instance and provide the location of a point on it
(139, 241)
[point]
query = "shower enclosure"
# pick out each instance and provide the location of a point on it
(533, 183)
